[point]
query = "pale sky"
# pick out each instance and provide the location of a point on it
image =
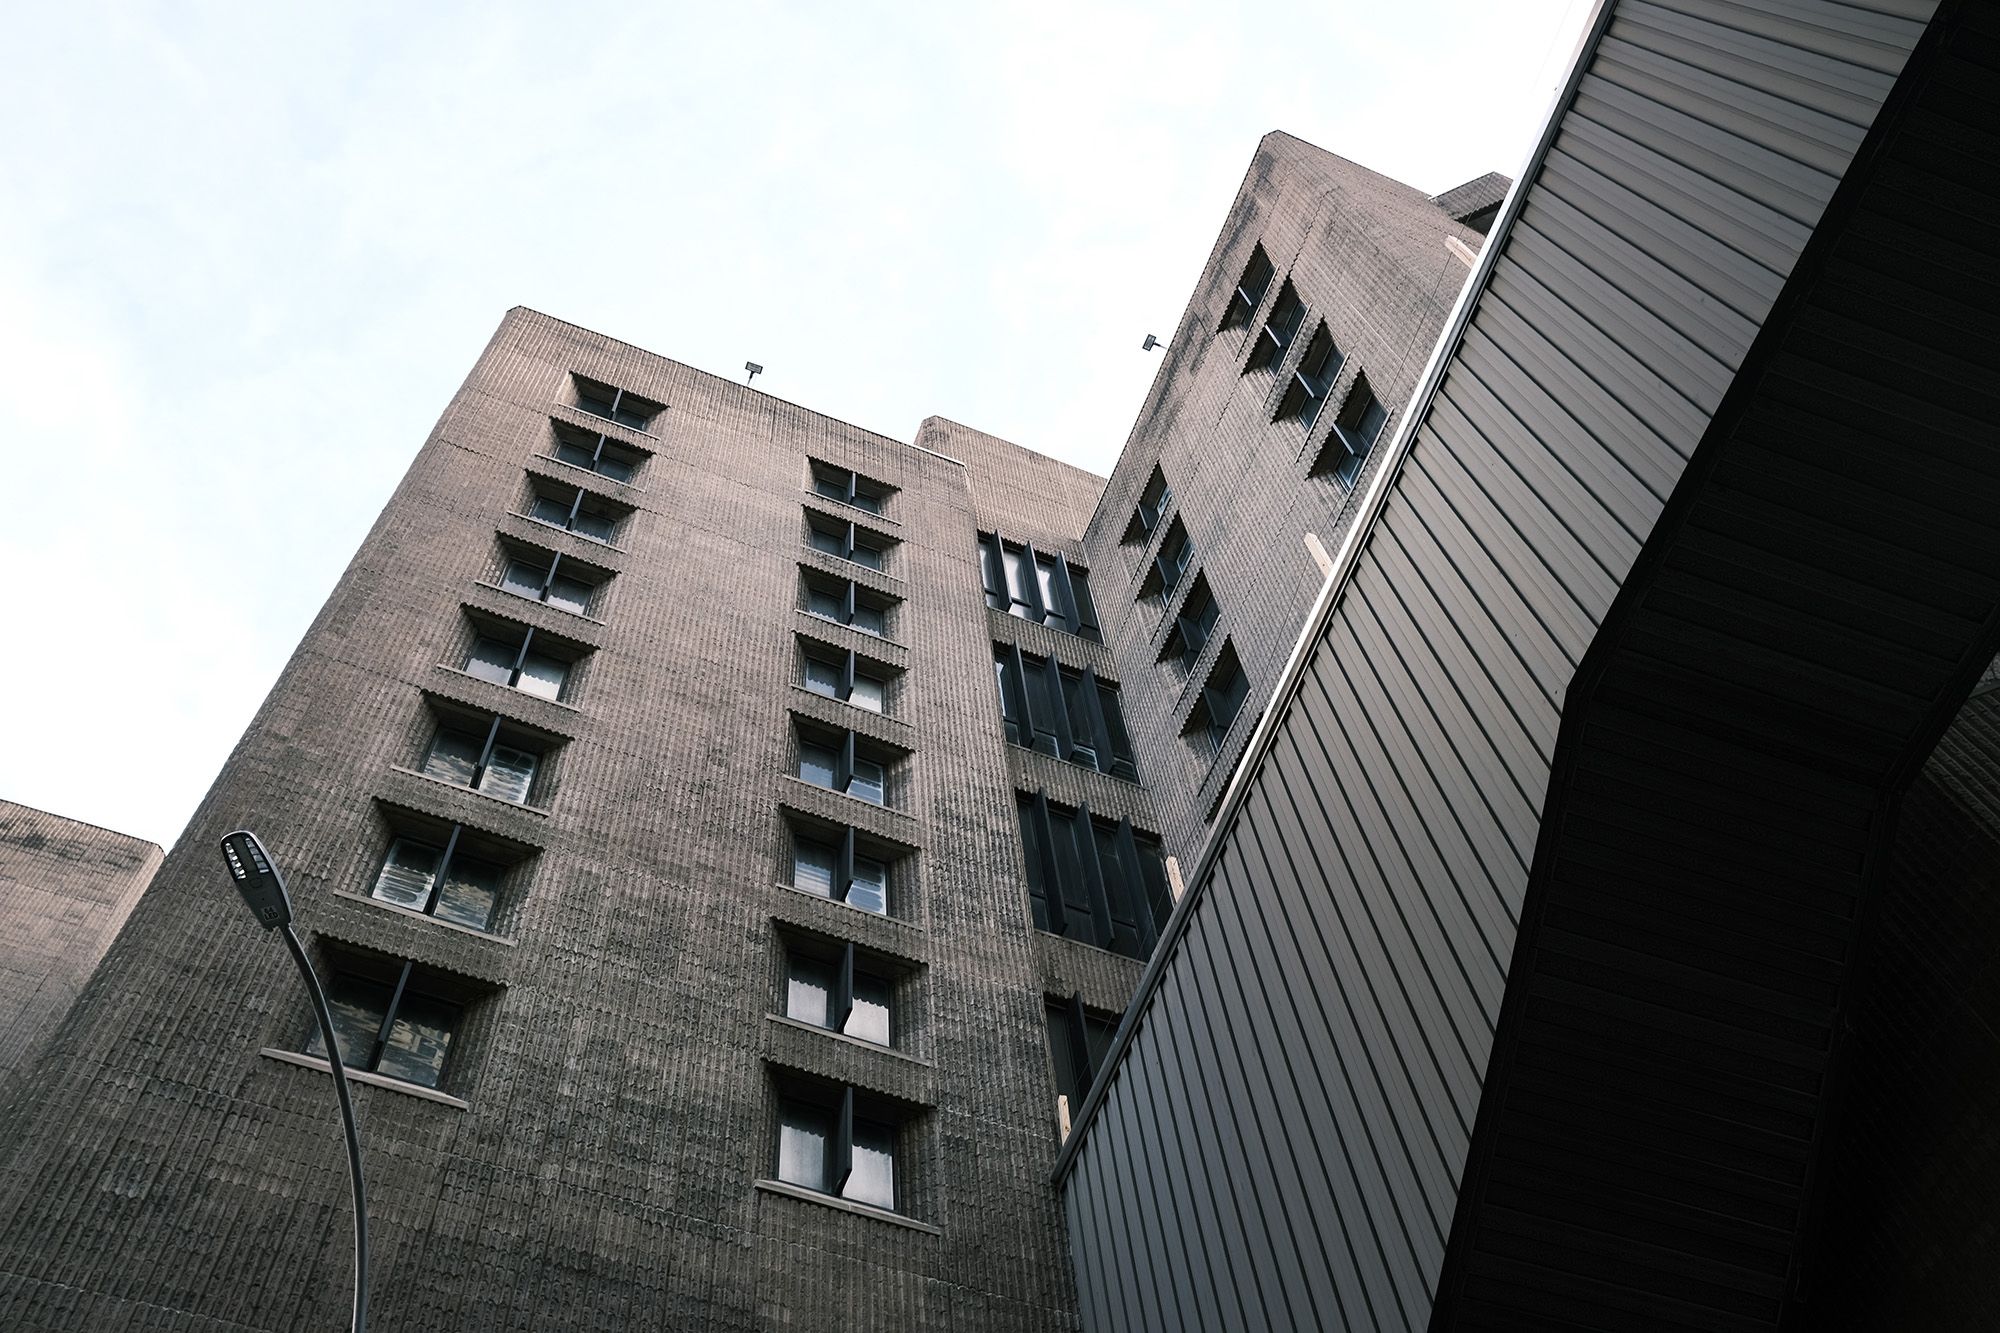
(248, 251)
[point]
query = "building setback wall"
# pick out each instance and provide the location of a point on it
(1301, 1082)
(609, 1106)
(1367, 256)
(65, 889)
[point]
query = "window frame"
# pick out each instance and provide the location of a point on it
(1354, 447)
(1281, 329)
(1120, 905)
(1037, 712)
(1306, 396)
(849, 973)
(852, 490)
(843, 1126)
(1074, 613)
(485, 745)
(852, 755)
(599, 446)
(1242, 305)
(846, 857)
(354, 972)
(850, 600)
(846, 665)
(641, 413)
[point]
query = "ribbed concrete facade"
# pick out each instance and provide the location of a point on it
(65, 889)
(1367, 258)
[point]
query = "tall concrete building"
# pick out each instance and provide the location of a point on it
(65, 889)
(1451, 834)
(729, 835)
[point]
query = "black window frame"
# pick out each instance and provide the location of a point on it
(1155, 502)
(1250, 288)
(835, 1106)
(852, 971)
(1223, 694)
(847, 537)
(1074, 613)
(1171, 563)
(565, 655)
(449, 855)
(849, 749)
(1314, 378)
(550, 570)
(1038, 711)
(847, 666)
(583, 502)
(844, 842)
(344, 974)
(489, 732)
(620, 407)
(850, 596)
(1356, 432)
(849, 487)
(1119, 902)
(1280, 330)
(599, 447)
(1079, 1044)
(1193, 626)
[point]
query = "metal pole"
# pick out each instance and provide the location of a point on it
(298, 952)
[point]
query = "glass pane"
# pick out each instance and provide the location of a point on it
(407, 873)
(618, 469)
(626, 416)
(418, 1041)
(358, 1009)
(866, 555)
(569, 594)
(869, 1019)
(454, 755)
(1045, 574)
(809, 990)
(595, 401)
(823, 678)
(868, 781)
(492, 660)
(830, 483)
(1021, 597)
(471, 890)
(1031, 849)
(870, 890)
(869, 620)
(524, 578)
(812, 867)
(597, 527)
(550, 511)
(833, 543)
(542, 676)
(991, 573)
(803, 1135)
(867, 693)
(861, 499)
(1041, 717)
(1119, 743)
(509, 774)
(817, 764)
(823, 603)
(1003, 666)
(571, 453)
(1083, 744)
(873, 1177)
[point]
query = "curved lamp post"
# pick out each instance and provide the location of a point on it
(256, 877)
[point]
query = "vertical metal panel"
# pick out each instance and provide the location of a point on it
(1310, 1046)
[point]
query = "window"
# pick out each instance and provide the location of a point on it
(1278, 330)
(845, 541)
(851, 488)
(1062, 711)
(840, 601)
(1037, 586)
(550, 580)
(1154, 502)
(1221, 700)
(575, 510)
(441, 881)
(1091, 880)
(1079, 1042)
(826, 1144)
(1250, 289)
(387, 1022)
(831, 987)
(833, 865)
(838, 762)
(516, 659)
(839, 675)
(1355, 431)
(602, 400)
(1192, 626)
(1312, 380)
(492, 758)
(597, 453)
(1176, 553)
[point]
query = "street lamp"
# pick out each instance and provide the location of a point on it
(263, 888)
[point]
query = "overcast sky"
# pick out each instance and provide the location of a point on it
(248, 251)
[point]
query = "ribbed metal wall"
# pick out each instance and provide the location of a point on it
(1281, 1143)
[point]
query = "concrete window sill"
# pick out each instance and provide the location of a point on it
(362, 1076)
(845, 1206)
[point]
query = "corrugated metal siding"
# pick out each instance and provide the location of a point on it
(1281, 1143)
